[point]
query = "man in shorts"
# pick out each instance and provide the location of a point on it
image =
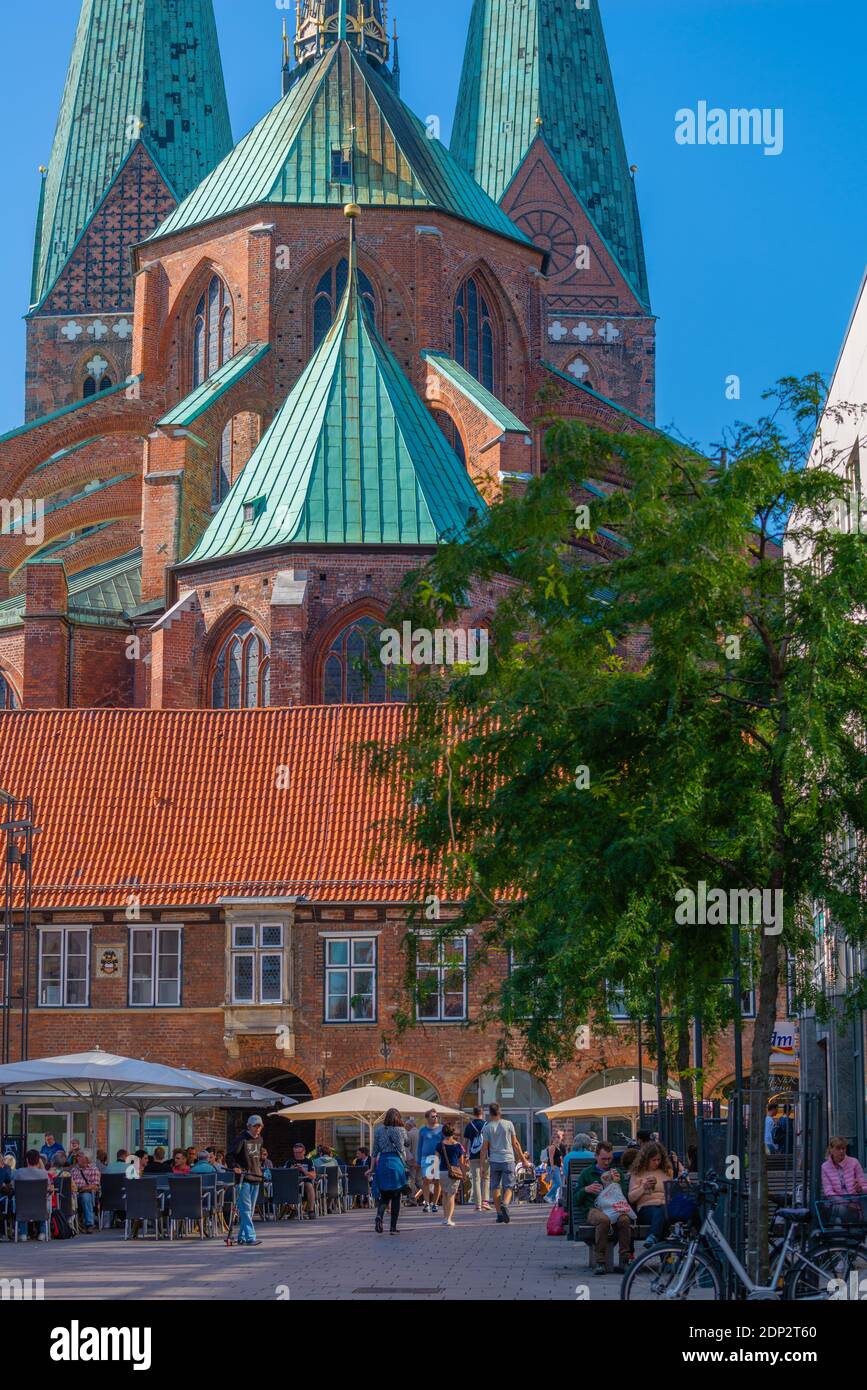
(501, 1153)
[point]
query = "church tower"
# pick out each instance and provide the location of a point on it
(142, 120)
(537, 126)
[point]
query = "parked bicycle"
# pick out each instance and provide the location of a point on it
(693, 1265)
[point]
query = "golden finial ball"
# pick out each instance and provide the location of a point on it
(352, 210)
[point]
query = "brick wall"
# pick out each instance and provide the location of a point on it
(449, 1056)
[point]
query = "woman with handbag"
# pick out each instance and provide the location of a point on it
(453, 1167)
(388, 1166)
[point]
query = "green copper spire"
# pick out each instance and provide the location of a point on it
(353, 457)
(144, 71)
(539, 69)
(341, 21)
(338, 103)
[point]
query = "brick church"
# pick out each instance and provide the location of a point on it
(264, 379)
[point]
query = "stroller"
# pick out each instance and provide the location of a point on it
(526, 1184)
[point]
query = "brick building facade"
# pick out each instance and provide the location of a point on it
(263, 382)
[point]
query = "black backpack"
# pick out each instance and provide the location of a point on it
(61, 1228)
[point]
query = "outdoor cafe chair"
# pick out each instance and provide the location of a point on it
(357, 1183)
(142, 1204)
(31, 1202)
(112, 1195)
(331, 1187)
(67, 1200)
(213, 1197)
(286, 1190)
(186, 1203)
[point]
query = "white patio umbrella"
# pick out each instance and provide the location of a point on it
(365, 1104)
(606, 1100)
(102, 1081)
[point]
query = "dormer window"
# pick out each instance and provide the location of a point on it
(253, 509)
(341, 165)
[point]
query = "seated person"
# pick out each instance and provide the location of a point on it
(50, 1148)
(33, 1171)
(58, 1163)
(158, 1163)
(305, 1167)
(267, 1165)
(580, 1149)
(647, 1178)
(86, 1179)
(630, 1154)
(180, 1167)
(591, 1183)
(843, 1176)
(120, 1161)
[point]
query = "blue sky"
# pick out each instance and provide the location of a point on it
(754, 261)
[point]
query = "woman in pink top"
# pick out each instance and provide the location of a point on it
(842, 1176)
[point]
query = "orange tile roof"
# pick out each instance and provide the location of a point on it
(182, 806)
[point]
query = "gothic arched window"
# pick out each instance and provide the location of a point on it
(242, 670)
(8, 698)
(353, 673)
(213, 331)
(475, 346)
(222, 479)
(91, 386)
(330, 291)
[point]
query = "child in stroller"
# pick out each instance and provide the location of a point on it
(526, 1184)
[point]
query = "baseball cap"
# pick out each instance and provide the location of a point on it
(255, 1120)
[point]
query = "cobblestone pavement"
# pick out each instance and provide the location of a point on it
(334, 1257)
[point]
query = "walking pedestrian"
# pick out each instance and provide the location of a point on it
(502, 1153)
(453, 1167)
(479, 1179)
(388, 1165)
(428, 1138)
(246, 1156)
(555, 1154)
(411, 1143)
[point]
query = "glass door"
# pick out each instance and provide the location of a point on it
(523, 1128)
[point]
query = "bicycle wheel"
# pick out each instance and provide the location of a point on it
(651, 1275)
(823, 1271)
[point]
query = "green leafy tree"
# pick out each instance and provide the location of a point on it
(664, 705)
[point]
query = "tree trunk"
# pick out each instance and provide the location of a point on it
(687, 1085)
(757, 1096)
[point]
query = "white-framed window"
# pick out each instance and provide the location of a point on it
(64, 967)
(616, 999)
(350, 979)
(441, 979)
(257, 963)
(154, 967)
